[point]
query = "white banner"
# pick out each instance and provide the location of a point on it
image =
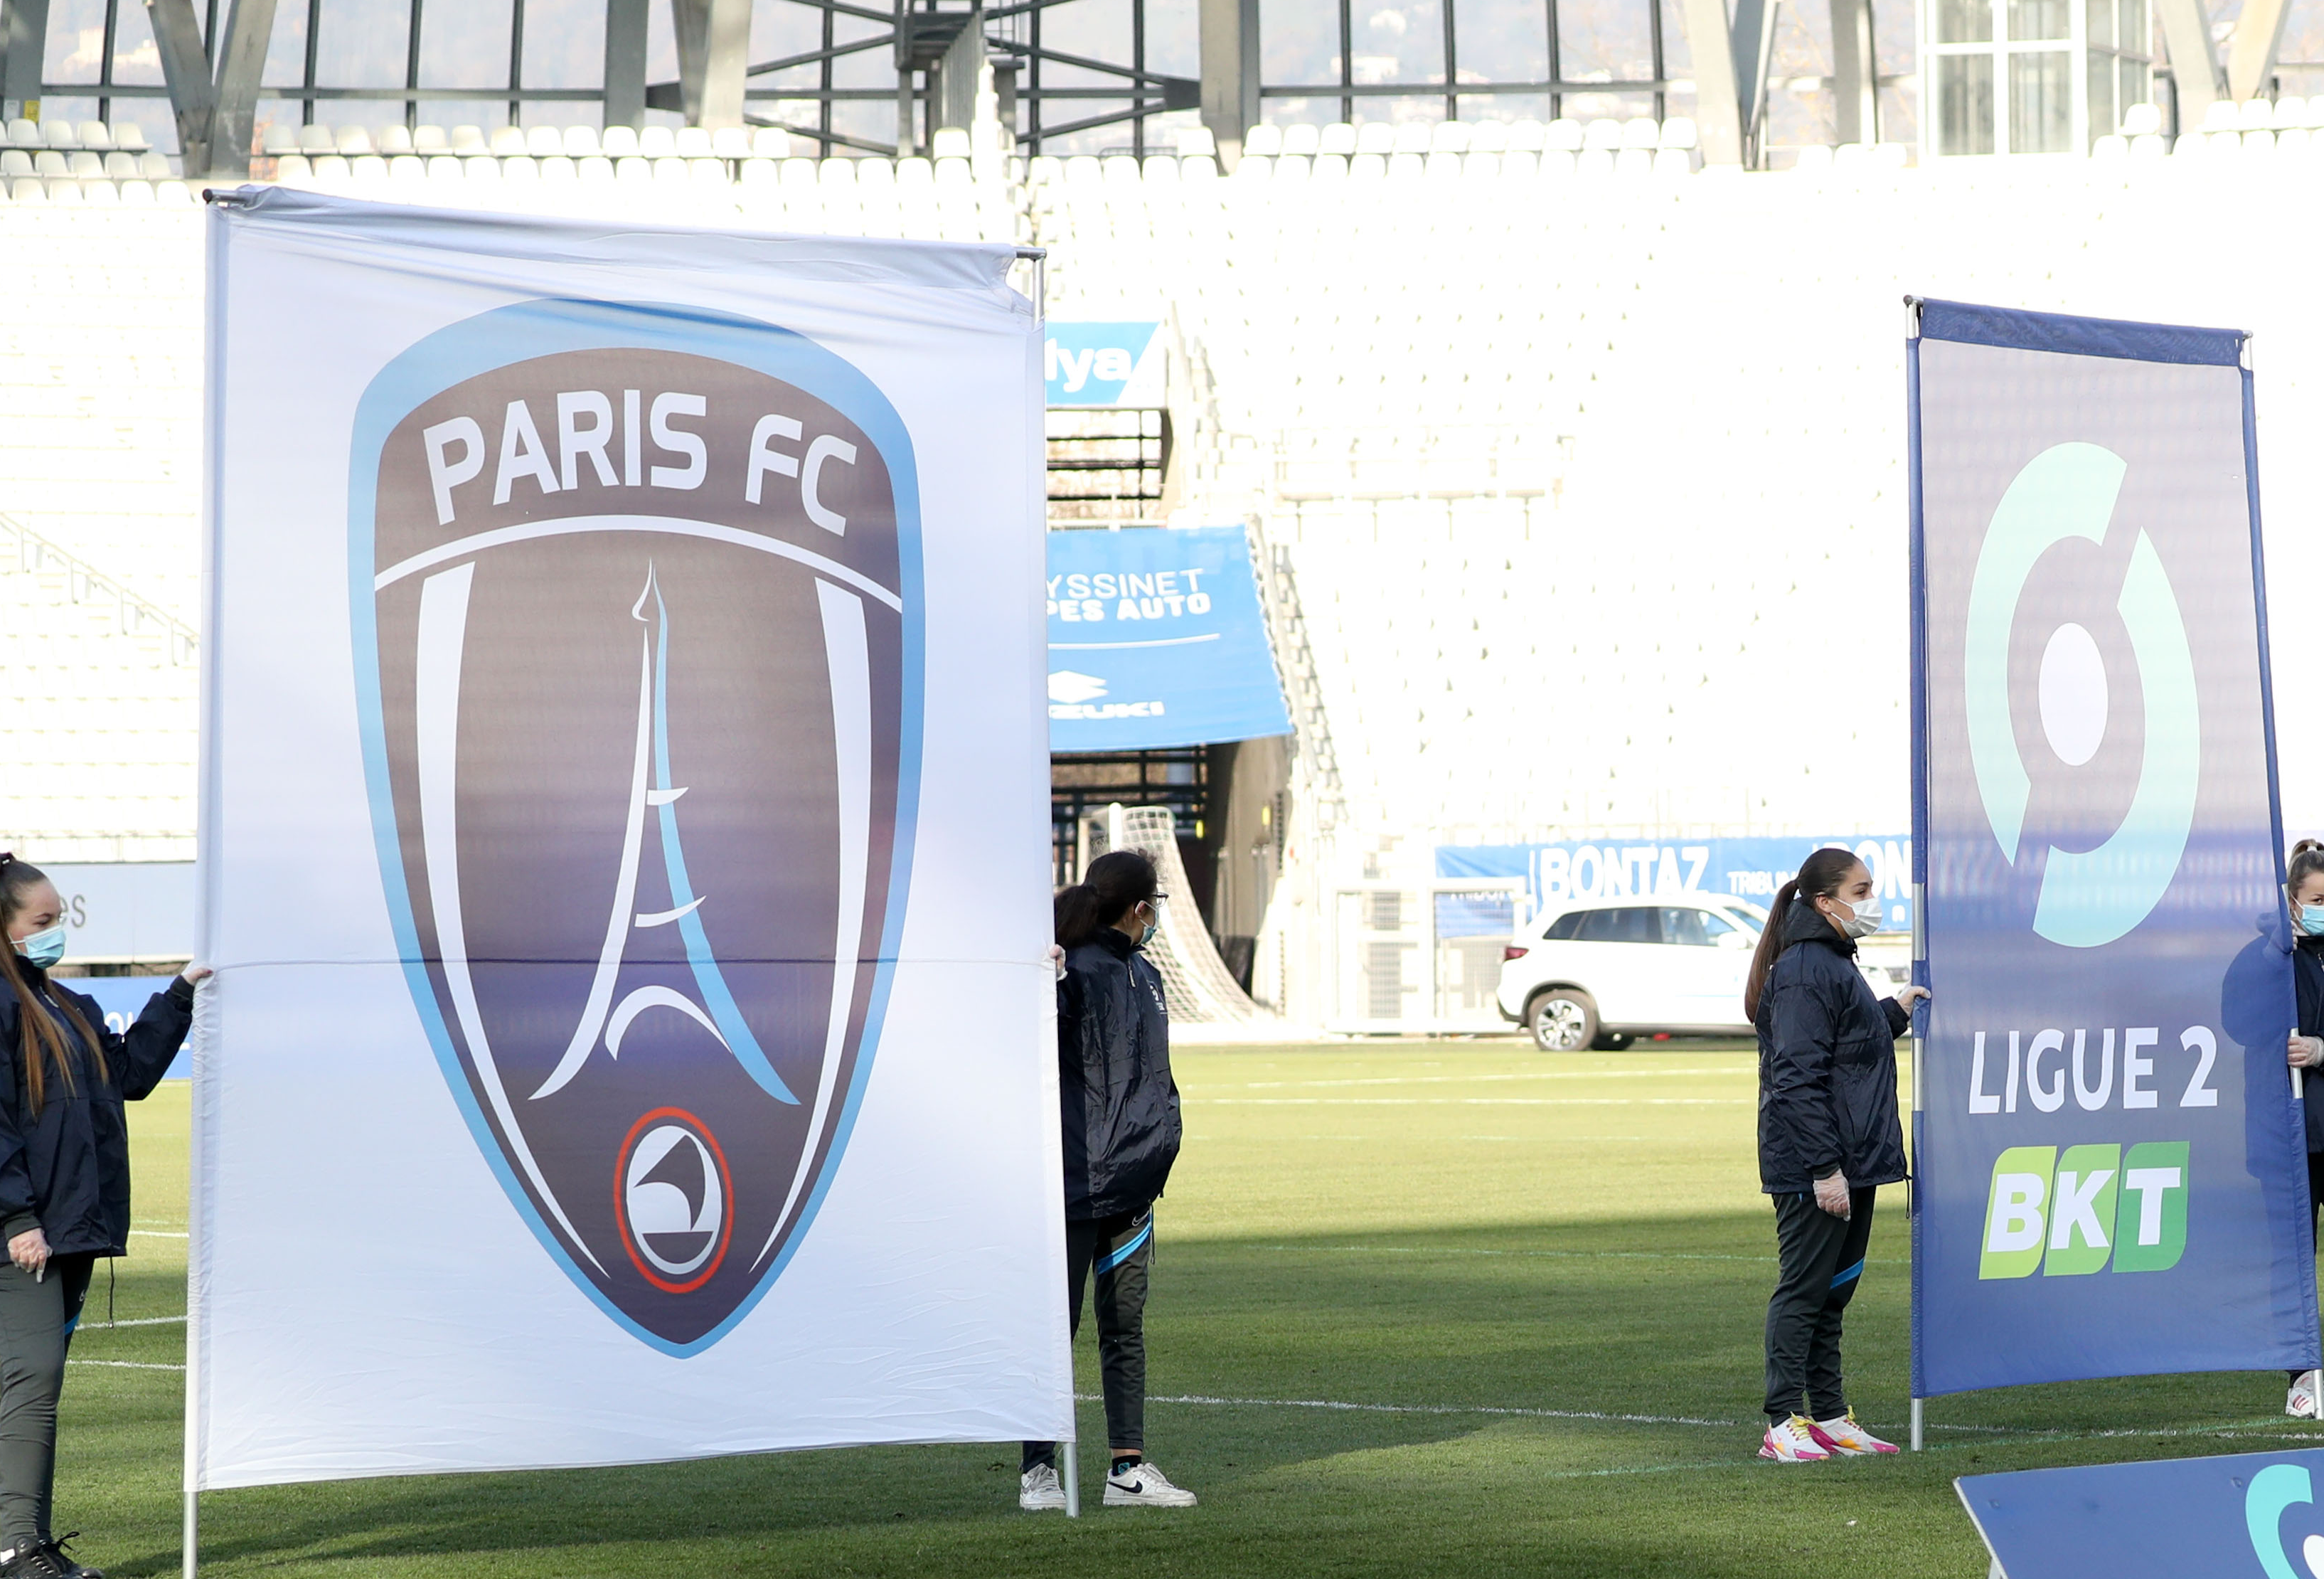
(623, 849)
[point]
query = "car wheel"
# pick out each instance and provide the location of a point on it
(1563, 1021)
(1612, 1041)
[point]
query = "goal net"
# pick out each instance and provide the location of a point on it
(1200, 990)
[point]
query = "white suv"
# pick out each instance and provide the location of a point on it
(1598, 975)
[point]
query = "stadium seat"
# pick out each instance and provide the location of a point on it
(427, 140)
(2141, 120)
(352, 141)
(1258, 142)
(129, 137)
(60, 133)
(656, 142)
(1376, 137)
(395, 140)
(24, 134)
(730, 143)
(469, 140)
(580, 142)
(1449, 137)
(1563, 134)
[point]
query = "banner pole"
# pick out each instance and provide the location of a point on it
(1071, 1466)
(1917, 1404)
(193, 1528)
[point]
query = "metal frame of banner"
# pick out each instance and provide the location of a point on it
(205, 843)
(1917, 638)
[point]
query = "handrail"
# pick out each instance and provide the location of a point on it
(138, 617)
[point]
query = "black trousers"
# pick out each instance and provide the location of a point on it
(1820, 1261)
(36, 1323)
(1121, 1251)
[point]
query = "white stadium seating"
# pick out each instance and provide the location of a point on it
(1587, 464)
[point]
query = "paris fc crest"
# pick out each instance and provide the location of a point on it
(637, 634)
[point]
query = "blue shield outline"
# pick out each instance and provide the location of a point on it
(545, 327)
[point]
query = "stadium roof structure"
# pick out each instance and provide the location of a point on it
(846, 64)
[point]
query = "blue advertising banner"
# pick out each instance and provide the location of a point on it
(1103, 363)
(1156, 639)
(2110, 1169)
(123, 999)
(1576, 872)
(2241, 1516)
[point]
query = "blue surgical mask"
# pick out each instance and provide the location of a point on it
(2312, 920)
(44, 949)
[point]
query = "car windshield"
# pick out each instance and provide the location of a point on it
(1749, 913)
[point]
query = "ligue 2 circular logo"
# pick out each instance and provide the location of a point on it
(2088, 898)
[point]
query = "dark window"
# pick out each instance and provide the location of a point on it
(1626, 924)
(1565, 927)
(1683, 924)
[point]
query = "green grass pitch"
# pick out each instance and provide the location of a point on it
(1419, 1308)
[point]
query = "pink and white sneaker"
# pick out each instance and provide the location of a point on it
(1793, 1442)
(1844, 1438)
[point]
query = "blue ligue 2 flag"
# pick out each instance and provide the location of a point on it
(2111, 1169)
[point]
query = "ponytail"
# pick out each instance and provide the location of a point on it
(2306, 861)
(1821, 874)
(40, 1037)
(1116, 883)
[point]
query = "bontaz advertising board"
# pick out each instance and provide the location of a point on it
(2110, 1168)
(1601, 871)
(588, 829)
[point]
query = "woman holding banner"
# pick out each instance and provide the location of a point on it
(1122, 1134)
(1829, 1138)
(64, 1188)
(2304, 886)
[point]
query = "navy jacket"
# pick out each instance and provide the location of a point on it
(65, 1170)
(2307, 989)
(1120, 1106)
(1827, 1065)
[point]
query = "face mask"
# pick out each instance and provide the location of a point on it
(1864, 916)
(1153, 925)
(2311, 920)
(44, 949)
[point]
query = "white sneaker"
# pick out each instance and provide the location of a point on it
(1845, 1437)
(1039, 1490)
(2301, 1402)
(1792, 1442)
(1142, 1485)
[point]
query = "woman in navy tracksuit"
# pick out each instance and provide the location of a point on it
(2304, 886)
(1120, 1134)
(1829, 1137)
(64, 1188)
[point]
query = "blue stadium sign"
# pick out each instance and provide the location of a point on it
(1156, 639)
(1103, 363)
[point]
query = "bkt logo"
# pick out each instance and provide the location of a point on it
(635, 598)
(2067, 1215)
(2088, 898)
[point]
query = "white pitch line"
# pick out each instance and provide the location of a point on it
(1472, 1101)
(2236, 1429)
(154, 1233)
(125, 1364)
(1742, 1071)
(98, 1326)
